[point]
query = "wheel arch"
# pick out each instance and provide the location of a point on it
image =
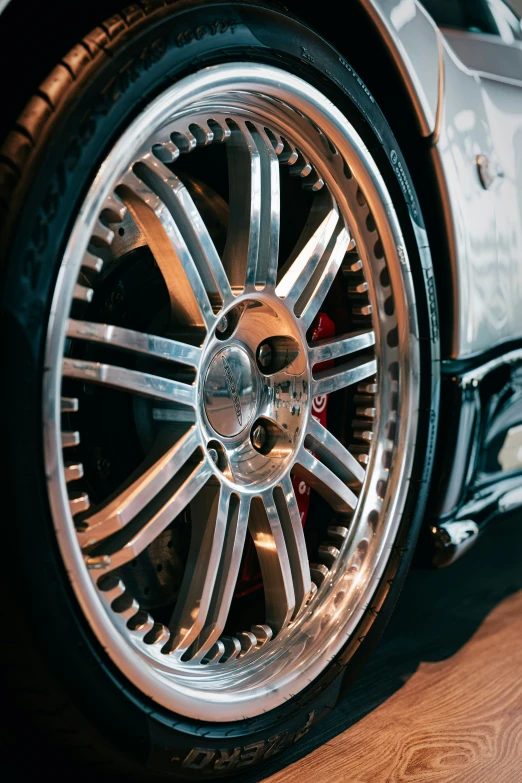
(415, 71)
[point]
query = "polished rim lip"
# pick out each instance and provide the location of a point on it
(213, 81)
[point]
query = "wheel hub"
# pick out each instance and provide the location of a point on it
(255, 393)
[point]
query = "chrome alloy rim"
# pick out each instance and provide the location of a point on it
(238, 379)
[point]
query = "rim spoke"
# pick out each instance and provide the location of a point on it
(332, 453)
(191, 227)
(146, 526)
(336, 378)
(190, 303)
(310, 256)
(252, 248)
(315, 292)
(219, 524)
(325, 482)
(130, 381)
(288, 511)
(336, 347)
(267, 532)
(227, 576)
(139, 342)
(123, 508)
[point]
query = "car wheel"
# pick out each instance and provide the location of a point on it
(221, 340)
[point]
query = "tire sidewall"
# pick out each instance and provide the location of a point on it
(134, 68)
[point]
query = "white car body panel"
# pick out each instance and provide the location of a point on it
(483, 115)
(480, 113)
(479, 301)
(503, 103)
(414, 41)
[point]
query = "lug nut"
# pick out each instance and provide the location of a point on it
(258, 437)
(264, 355)
(212, 453)
(222, 325)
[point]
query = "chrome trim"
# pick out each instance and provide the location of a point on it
(510, 500)
(452, 540)
(472, 377)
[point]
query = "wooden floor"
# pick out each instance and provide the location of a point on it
(441, 700)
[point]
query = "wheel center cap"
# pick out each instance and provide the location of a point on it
(230, 393)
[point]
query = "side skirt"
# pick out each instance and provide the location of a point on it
(479, 462)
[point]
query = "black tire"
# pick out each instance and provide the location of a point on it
(57, 672)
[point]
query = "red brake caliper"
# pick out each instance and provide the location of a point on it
(250, 575)
(323, 327)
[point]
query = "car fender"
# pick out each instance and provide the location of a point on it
(414, 41)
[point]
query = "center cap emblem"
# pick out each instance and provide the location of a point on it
(230, 391)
